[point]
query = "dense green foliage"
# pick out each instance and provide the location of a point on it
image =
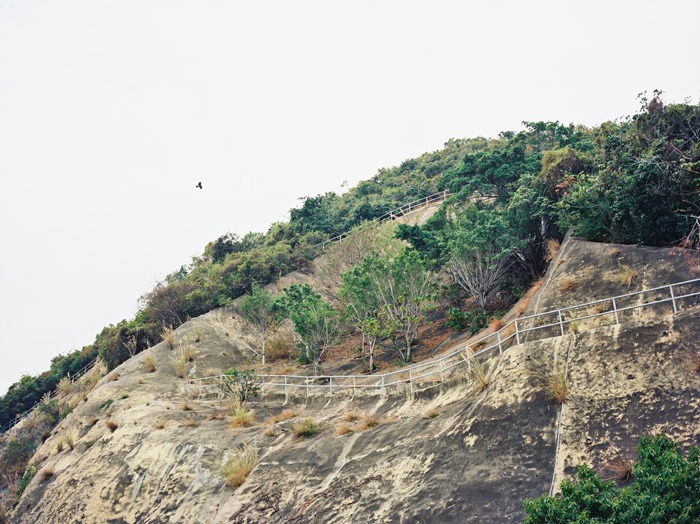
(666, 489)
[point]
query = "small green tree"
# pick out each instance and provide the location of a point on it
(315, 321)
(240, 384)
(666, 489)
(263, 314)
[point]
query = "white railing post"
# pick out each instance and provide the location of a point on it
(500, 348)
(561, 323)
(354, 386)
(383, 386)
(410, 378)
(330, 384)
(517, 333)
(617, 317)
(442, 370)
(285, 385)
(673, 299)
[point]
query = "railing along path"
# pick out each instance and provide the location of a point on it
(540, 326)
(19, 418)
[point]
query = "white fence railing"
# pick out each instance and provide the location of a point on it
(19, 418)
(524, 329)
(391, 215)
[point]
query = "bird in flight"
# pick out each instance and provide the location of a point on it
(199, 185)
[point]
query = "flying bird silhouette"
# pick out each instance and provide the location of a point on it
(199, 185)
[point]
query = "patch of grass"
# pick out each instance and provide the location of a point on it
(619, 469)
(65, 386)
(123, 396)
(433, 413)
(59, 446)
(187, 352)
(241, 418)
(45, 474)
(278, 348)
(180, 364)
(69, 440)
(105, 404)
(168, 336)
(343, 429)
(575, 326)
(270, 431)
(239, 466)
(627, 275)
(112, 425)
(569, 284)
(368, 422)
(216, 415)
(185, 406)
(551, 249)
(285, 415)
(307, 428)
(149, 363)
(554, 385)
(350, 416)
(476, 374)
(190, 422)
(158, 424)
(196, 335)
(113, 377)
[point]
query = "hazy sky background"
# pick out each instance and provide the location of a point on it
(112, 111)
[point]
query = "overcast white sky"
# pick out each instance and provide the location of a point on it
(112, 111)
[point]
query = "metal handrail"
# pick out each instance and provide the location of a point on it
(513, 331)
(19, 418)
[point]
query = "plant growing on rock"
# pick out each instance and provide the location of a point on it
(239, 465)
(240, 385)
(307, 428)
(263, 314)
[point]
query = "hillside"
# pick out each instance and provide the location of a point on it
(444, 454)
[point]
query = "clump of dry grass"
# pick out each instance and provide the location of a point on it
(241, 418)
(190, 422)
(551, 248)
(112, 425)
(216, 415)
(168, 336)
(476, 373)
(186, 406)
(180, 364)
(69, 440)
(65, 386)
(343, 429)
(285, 415)
(694, 362)
(114, 376)
(239, 466)
(278, 348)
(45, 473)
(569, 284)
(270, 431)
(368, 422)
(149, 363)
(350, 416)
(196, 335)
(187, 352)
(307, 428)
(575, 326)
(554, 384)
(621, 469)
(433, 413)
(627, 275)
(59, 446)
(158, 424)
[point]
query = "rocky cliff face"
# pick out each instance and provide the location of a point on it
(145, 452)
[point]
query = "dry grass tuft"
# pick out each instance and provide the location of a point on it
(350, 416)
(112, 425)
(65, 386)
(45, 473)
(180, 364)
(59, 446)
(187, 352)
(185, 406)
(554, 385)
(113, 377)
(190, 422)
(575, 326)
(619, 469)
(476, 374)
(168, 336)
(694, 362)
(241, 418)
(368, 422)
(270, 431)
(279, 348)
(216, 415)
(627, 276)
(149, 363)
(239, 466)
(69, 440)
(285, 415)
(552, 248)
(433, 413)
(569, 284)
(343, 429)
(307, 428)
(158, 424)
